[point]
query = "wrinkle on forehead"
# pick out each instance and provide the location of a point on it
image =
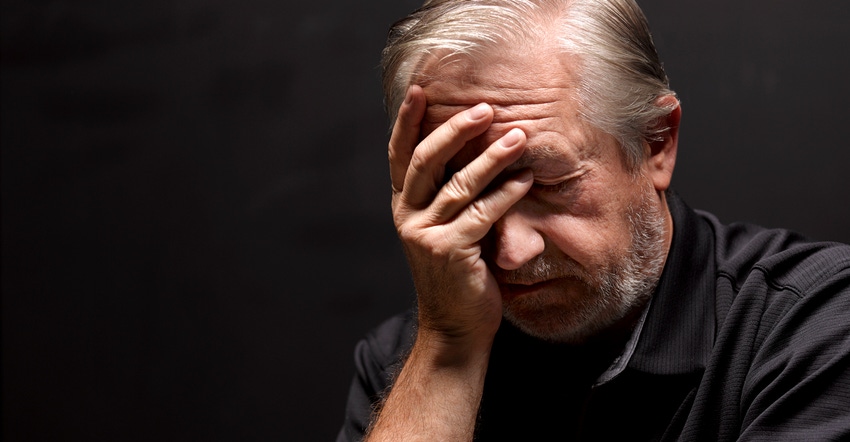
(507, 68)
(465, 95)
(519, 85)
(504, 112)
(535, 91)
(501, 92)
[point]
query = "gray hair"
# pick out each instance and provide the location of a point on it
(621, 77)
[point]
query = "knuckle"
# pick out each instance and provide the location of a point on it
(479, 212)
(457, 187)
(407, 234)
(424, 242)
(403, 232)
(418, 164)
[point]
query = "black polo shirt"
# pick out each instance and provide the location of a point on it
(747, 337)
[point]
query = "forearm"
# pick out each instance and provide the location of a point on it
(441, 224)
(436, 395)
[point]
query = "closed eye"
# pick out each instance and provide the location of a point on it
(555, 187)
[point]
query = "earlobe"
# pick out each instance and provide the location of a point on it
(662, 152)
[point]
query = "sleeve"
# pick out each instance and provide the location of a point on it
(376, 358)
(799, 387)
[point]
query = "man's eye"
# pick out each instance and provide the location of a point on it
(559, 186)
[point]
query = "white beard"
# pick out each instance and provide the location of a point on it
(607, 295)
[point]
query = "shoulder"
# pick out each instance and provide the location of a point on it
(376, 357)
(780, 298)
(384, 347)
(780, 258)
(783, 332)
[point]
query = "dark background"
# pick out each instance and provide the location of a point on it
(195, 207)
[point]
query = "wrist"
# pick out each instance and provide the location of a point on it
(442, 350)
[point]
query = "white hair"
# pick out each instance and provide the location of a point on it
(621, 78)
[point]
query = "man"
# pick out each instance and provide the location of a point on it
(564, 293)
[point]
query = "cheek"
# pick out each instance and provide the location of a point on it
(592, 232)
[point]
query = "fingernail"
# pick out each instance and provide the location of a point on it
(511, 138)
(478, 112)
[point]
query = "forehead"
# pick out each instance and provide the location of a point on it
(510, 78)
(534, 90)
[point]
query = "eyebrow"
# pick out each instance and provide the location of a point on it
(538, 154)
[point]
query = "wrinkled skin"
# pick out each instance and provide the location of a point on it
(481, 241)
(509, 204)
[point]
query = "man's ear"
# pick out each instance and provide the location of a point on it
(661, 158)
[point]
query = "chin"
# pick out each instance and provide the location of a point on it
(557, 318)
(579, 307)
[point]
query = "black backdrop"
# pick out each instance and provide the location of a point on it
(195, 216)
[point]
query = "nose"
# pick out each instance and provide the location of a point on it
(515, 241)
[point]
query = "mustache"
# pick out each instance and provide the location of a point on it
(542, 268)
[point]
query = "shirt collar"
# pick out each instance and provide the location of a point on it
(677, 333)
(623, 359)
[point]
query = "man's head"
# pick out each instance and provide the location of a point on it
(621, 76)
(586, 245)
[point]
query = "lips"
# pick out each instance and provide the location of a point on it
(563, 284)
(512, 290)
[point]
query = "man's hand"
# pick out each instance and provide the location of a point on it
(441, 226)
(437, 393)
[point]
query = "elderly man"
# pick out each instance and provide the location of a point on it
(564, 292)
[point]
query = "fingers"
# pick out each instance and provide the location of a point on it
(466, 185)
(477, 218)
(405, 135)
(417, 171)
(428, 162)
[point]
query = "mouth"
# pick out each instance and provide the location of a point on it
(516, 289)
